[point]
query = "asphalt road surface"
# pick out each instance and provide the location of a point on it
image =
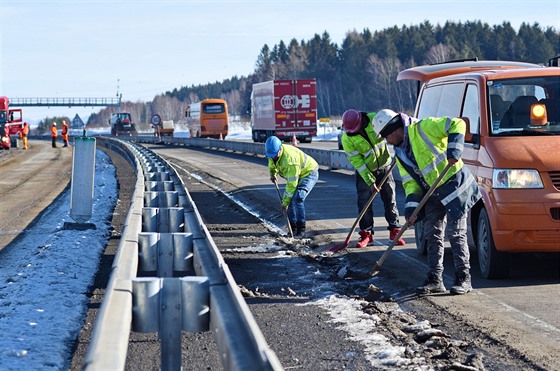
(29, 181)
(513, 322)
(508, 324)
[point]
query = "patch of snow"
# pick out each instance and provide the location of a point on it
(360, 327)
(47, 272)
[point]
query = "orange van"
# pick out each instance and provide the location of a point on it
(512, 147)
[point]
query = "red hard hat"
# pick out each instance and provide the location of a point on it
(351, 121)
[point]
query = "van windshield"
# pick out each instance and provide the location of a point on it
(512, 102)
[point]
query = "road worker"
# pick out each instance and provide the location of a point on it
(54, 134)
(24, 134)
(64, 133)
(423, 148)
(371, 159)
(301, 172)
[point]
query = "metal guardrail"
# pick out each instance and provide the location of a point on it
(165, 235)
(331, 159)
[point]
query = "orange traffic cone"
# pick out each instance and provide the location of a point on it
(294, 140)
(221, 138)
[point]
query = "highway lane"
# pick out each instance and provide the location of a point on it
(521, 311)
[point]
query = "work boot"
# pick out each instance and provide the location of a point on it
(300, 230)
(432, 285)
(462, 284)
(393, 232)
(366, 238)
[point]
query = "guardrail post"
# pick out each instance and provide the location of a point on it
(168, 306)
(161, 176)
(161, 199)
(170, 324)
(163, 219)
(165, 254)
(154, 185)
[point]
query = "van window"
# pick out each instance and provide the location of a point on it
(471, 108)
(511, 101)
(441, 100)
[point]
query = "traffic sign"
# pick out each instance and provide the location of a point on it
(155, 120)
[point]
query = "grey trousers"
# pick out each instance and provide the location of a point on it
(434, 232)
(387, 193)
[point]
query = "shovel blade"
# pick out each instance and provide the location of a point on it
(352, 276)
(337, 248)
(340, 247)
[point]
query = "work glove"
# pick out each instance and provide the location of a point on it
(284, 208)
(273, 178)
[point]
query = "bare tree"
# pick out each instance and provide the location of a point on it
(438, 53)
(384, 73)
(234, 102)
(169, 108)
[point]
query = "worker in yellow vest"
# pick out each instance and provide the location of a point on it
(301, 172)
(423, 149)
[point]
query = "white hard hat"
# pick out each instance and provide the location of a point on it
(54, 124)
(381, 119)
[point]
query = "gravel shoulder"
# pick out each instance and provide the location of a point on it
(30, 180)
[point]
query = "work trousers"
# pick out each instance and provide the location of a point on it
(387, 193)
(53, 142)
(434, 233)
(296, 209)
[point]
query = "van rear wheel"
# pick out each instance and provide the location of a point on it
(493, 263)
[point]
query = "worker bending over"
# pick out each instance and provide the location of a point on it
(423, 148)
(301, 172)
(370, 156)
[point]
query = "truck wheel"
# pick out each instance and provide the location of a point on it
(421, 243)
(493, 263)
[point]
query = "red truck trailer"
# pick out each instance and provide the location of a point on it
(11, 123)
(284, 108)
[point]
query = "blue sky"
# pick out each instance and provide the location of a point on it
(77, 48)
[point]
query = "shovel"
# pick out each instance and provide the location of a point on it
(285, 214)
(378, 263)
(344, 245)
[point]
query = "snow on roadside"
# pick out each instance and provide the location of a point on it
(46, 273)
(360, 327)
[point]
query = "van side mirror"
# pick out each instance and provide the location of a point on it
(469, 136)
